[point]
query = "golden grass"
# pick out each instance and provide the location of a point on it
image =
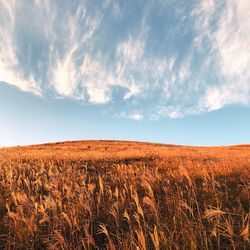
(124, 195)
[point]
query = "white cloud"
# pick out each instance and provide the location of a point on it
(217, 97)
(136, 116)
(131, 51)
(64, 76)
(167, 111)
(78, 72)
(10, 69)
(73, 67)
(143, 74)
(196, 64)
(96, 80)
(232, 40)
(115, 6)
(229, 43)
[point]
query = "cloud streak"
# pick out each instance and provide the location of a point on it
(10, 69)
(169, 60)
(228, 42)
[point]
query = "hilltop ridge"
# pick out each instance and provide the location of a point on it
(114, 149)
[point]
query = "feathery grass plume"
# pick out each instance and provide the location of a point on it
(21, 198)
(116, 193)
(137, 202)
(141, 238)
(183, 204)
(13, 216)
(147, 186)
(91, 187)
(101, 184)
(115, 213)
(213, 213)
(229, 230)
(109, 193)
(67, 219)
(75, 223)
(126, 216)
(151, 203)
(155, 238)
(90, 239)
(245, 229)
(245, 232)
(103, 230)
(44, 219)
(26, 182)
(137, 218)
(184, 172)
(61, 239)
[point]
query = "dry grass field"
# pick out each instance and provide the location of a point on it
(124, 195)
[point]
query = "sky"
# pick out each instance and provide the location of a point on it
(150, 70)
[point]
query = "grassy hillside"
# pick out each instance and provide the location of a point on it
(124, 195)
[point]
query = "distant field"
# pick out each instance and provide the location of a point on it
(120, 150)
(124, 195)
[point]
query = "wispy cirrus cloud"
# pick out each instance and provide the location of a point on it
(10, 69)
(168, 60)
(228, 40)
(135, 115)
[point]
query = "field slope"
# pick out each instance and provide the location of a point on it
(124, 195)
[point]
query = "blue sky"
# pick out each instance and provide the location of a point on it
(156, 70)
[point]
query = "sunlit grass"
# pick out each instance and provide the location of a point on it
(152, 202)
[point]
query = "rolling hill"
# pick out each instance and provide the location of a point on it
(124, 195)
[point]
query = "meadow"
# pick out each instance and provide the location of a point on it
(124, 195)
